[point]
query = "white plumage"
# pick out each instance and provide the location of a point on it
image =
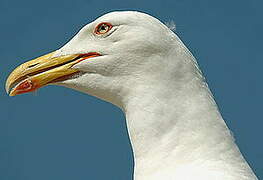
(176, 130)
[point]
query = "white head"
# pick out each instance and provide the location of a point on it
(127, 50)
(129, 47)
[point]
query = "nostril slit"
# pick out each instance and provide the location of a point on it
(32, 65)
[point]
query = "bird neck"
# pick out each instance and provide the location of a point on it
(174, 124)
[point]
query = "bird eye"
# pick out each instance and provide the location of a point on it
(103, 28)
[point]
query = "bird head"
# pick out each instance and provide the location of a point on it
(106, 58)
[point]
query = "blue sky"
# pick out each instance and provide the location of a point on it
(58, 133)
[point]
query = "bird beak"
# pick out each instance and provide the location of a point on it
(42, 71)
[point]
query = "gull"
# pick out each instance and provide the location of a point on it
(137, 63)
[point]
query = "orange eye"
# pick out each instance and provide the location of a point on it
(103, 28)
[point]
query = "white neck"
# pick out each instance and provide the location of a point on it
(177, 132)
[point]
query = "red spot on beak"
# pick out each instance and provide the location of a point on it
(25, 86)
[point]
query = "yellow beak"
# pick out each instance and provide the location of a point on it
(41, 71)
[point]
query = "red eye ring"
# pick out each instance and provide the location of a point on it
(103, 28)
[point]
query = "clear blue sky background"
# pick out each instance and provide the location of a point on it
(57, 133)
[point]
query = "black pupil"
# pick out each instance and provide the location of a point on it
(103, 27)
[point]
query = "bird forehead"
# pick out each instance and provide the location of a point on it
(125, 17)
